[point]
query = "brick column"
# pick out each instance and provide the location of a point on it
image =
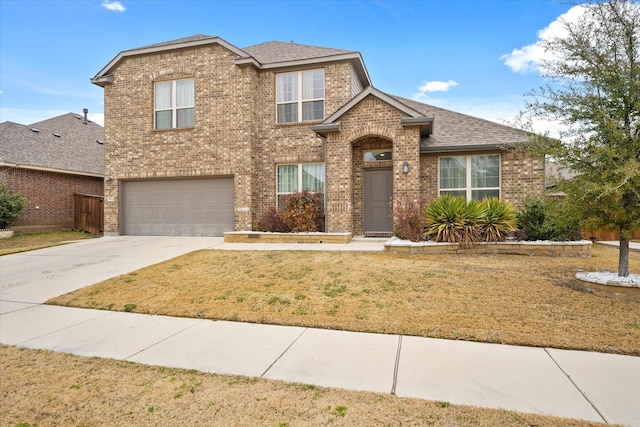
(406, 148)
(339, 186)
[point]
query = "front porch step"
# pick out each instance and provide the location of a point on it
(386, 234)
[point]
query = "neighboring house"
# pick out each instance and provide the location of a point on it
(203, 137)
(48, 162)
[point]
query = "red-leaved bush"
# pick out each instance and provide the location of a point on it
(272, 221)
(299, 212)
(302, 211)
(409, 219)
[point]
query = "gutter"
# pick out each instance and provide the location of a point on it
(461, 148)
(45, 169)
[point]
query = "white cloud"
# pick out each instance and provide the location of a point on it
(113, 5)
(433, 86)
(97, 118)
(529, 58)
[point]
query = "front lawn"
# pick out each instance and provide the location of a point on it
(23, 242)
(500, 299)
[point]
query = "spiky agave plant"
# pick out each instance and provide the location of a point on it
(499, 221)
(454, 220)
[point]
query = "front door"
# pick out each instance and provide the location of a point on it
(378, 191)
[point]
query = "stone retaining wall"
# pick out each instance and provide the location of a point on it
(580, 248)
(260, 237)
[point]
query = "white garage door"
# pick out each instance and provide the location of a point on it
(177, 207)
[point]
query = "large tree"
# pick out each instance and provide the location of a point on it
(593, 75)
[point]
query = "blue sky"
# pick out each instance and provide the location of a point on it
(475, 57)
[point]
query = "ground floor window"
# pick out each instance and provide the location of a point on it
(473, 177)
(298, 177)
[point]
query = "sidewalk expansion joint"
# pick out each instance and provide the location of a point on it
(107, 313)
(396, 365)
(595, 408)
(283, 352)
(163, 340)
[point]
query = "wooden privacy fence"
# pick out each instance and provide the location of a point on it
(604, 235)
(88, 213)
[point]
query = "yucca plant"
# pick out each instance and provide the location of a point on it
(454, 220)
(499, 221)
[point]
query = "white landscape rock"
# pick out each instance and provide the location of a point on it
(606, 277)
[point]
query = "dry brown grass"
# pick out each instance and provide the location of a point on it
(22, 242)
(501, 299)
(39, 387)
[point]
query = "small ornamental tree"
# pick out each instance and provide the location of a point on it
(593, 70)
(12, 205)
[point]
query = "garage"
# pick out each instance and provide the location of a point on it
(177, 207)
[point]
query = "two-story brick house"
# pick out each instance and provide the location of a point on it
(202, 137)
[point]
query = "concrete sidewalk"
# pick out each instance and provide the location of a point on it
(573, 384)
(633, 246)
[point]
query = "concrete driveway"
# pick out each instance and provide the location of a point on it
(36, 276)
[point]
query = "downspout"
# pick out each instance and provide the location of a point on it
(326, 212)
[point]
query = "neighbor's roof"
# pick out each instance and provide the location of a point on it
(61, 144)
(454, 131)
(269, 55)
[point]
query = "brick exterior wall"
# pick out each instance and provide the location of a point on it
(371, 124)
(522, 175)
(235, 131)
(236, 134)
(50, 196)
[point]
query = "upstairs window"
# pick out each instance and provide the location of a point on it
(174, 104)
(472, 177)
(300, 96)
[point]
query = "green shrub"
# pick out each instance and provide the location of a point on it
(409, 219)
(454, 220)
(12, 204)
(303, 212)
(540, 219)
(499, 220)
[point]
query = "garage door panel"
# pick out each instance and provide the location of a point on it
(184, 207)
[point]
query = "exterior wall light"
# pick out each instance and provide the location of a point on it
(405, 167)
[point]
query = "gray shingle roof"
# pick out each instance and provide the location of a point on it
(274, 51)
(264, 55)
(193, 38)
(75, 149)
(452, 130)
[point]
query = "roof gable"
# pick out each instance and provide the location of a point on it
(103, 77)
(412, 117)
(63, 144)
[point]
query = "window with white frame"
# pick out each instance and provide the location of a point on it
(472, 177)
(300, 96)
(174, 104)
(298, 177)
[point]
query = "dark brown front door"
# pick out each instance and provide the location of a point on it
(378, 190)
